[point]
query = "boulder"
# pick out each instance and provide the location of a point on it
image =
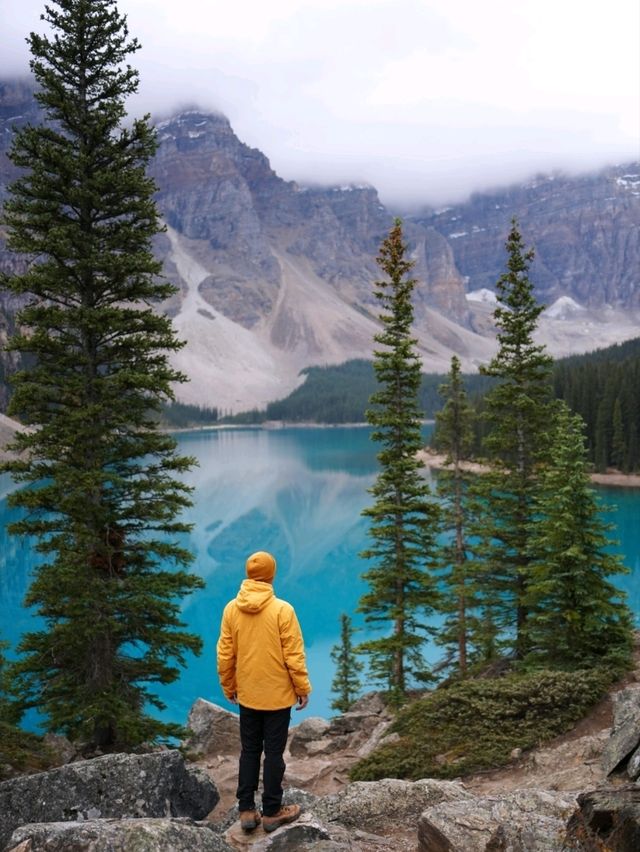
(213, 730)
(304, 833)
(522, 821)
(311, 730)
(61, 748)
(118, 835)
(362, 727)
(607, 818)
(625, 733)
(620, 745)
(378, 805)
(117, 785)
(626, 706)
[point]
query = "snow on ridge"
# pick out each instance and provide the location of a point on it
(483, 295)
(563, 308)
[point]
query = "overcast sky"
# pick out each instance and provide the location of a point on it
(428, 100)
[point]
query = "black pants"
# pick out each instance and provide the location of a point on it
(262, 730)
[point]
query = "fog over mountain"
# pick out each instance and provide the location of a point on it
(273, 276)
(426, 100)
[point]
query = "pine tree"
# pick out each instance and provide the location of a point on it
(404, 518)
(577, 616)
(346, 683)
(107, 495)
(517, 412)
(454, 436)
(618, 442)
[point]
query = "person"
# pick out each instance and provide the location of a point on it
(262, 669)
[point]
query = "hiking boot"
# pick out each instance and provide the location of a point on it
(249, 820)
(289, 813)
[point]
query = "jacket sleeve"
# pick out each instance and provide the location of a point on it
(226, 658)
(293, 652)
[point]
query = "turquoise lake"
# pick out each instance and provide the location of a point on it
(297, 493)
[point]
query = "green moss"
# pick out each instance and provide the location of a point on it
(472, 725)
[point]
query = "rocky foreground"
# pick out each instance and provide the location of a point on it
(579, 794)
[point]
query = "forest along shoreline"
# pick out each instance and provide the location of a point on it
(431, 459)
(436, 461)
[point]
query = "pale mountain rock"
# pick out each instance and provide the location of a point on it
(273, 277)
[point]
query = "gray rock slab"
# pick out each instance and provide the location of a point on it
(303, 834)
(117, 785)
(626, 706)
(311, 730)
(214, 730)
(607, 818)
(121, 835)
(375, 805)
(620, 744)
(523, 821)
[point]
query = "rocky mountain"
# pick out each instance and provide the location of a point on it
(273, 276)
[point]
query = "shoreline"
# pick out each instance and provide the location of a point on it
(612, 478)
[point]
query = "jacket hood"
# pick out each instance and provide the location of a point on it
(254, 595)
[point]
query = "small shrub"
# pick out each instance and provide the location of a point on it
(472, 725)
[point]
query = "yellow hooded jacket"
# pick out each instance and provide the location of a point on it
(260, 650)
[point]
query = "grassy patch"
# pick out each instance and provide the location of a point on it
(472, 725)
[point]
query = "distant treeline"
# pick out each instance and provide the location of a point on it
(340, 394)
(179, 415)
(602, 386)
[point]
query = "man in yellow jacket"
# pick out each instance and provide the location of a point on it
(262, 668)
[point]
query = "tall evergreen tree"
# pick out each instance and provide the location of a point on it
(404, 518)
(578, 618)
(517, 411)
(107, 491)
(346, 683)
(618, 442)
(454, 436)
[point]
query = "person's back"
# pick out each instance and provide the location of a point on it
(262, 668)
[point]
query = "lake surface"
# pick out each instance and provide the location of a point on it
(297, 493)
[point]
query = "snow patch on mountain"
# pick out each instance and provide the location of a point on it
(564, 308)
(483, 295)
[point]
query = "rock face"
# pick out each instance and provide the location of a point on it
(214, 730)
(359, 730)
(524, 821)
(607, 819)
(624, 741)
(122, 835)
(579, 226)
(376, 805)
(273, 277)
(118, 785)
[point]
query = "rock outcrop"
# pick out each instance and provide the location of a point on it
(273, 277)
(524, 821)
(623, 746)
(213, 730)
(382, 805)
(118, 785)
(607, 819)
(118, 835)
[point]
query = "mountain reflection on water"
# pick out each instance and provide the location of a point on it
(298, 493)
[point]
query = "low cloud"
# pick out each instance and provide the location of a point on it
(427, 100)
